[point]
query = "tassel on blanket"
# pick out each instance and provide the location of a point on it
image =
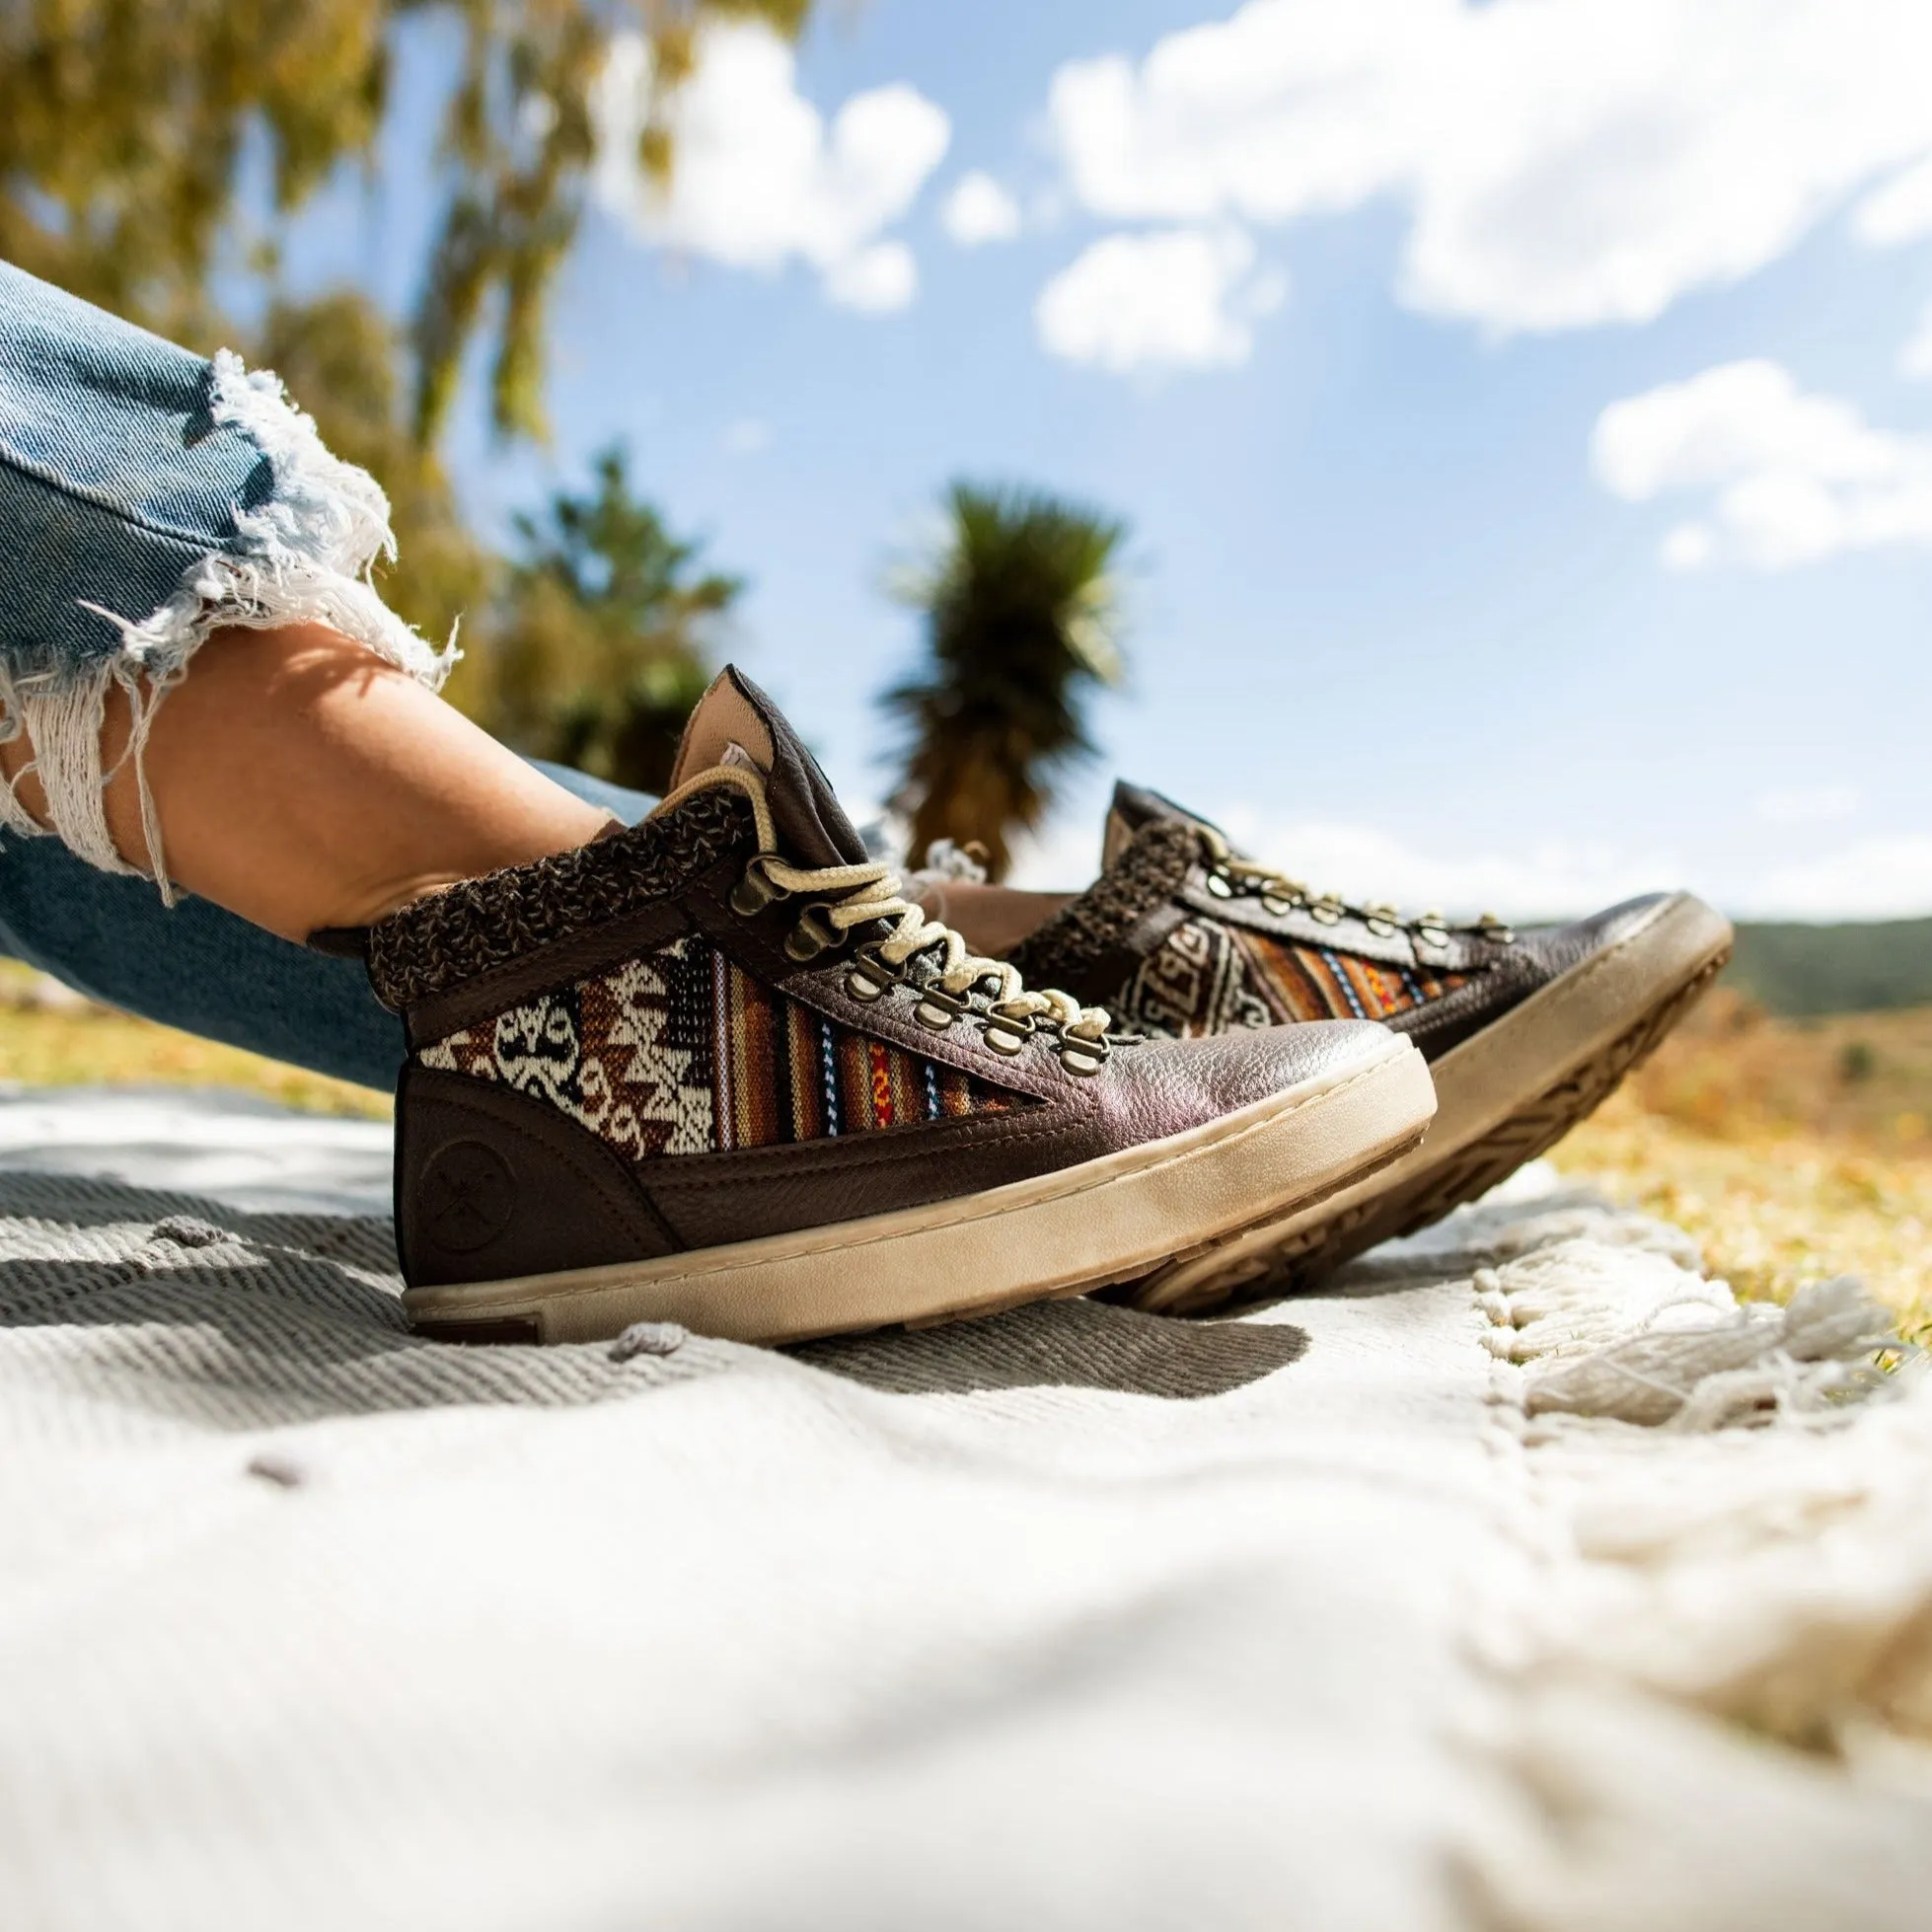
(1689, 1358)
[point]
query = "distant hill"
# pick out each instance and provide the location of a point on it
(1808, 970)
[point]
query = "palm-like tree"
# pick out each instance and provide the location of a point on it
(604, 637)
(1019, 600)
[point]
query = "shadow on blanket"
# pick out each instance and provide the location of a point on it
(1077, 1344)
(187, 1308)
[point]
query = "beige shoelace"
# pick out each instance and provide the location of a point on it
(848, 896)
(1282, 894)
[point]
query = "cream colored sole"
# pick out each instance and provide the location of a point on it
(1104, 1221)
(1503, 1096)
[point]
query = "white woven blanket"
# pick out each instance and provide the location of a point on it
(1353, 1614)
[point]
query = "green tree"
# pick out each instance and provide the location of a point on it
(125, 126)
(603, 637)
(339, 357)
(127, 134)
(1021, 625)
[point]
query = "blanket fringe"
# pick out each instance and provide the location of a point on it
(1633, 1337)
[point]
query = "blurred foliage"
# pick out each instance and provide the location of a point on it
(134, 139)
(51, 1038)
(601, 638)
(124, 127)
(1020, 626)
(1854, 968)
(1742, 1128)
(339, 357)
(521, 138)
(1733, 1070)
(150, 156)
(592, 644)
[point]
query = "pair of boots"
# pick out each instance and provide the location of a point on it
(720, 1068)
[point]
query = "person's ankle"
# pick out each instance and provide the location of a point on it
(369, 902)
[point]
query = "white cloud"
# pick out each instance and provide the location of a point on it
(1689, 546)
(1810, 804)
(1915, 358)
(1793, 477)
(1179, 298)
(747, 436)
(876, 280)
(1564, 162)
(1886, 877)
(759, 178)
(980, 210)
(1889, 877)
(1900, 211)
(1551, 877)
(1063, 857)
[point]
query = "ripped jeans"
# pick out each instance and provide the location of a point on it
(147, 498)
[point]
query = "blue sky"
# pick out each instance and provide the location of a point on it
(1329, 301)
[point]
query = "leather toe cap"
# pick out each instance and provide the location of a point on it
(1172, 1084)
(1557, 949)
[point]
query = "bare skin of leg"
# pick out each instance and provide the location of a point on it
(302, 783)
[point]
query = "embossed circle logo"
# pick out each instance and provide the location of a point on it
(469, 1195)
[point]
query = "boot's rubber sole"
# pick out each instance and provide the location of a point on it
(1503, 1095)
(1102, 1222)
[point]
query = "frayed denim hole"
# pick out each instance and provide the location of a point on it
(259, 488)
(197, 425)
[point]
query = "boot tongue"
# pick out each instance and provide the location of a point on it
(1134, 807)
(735, 723)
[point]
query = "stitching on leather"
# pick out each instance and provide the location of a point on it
(1150, 871)
(1476, 1001)
(1585, 969)
(1577, 975)
(967, 1218)
(964, 1051)
(527, 976)
(601, 1182)
(888, 1157)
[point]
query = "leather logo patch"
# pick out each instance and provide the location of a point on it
(469, 1196)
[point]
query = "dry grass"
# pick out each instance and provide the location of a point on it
(1792, 1149)
(50, 1037)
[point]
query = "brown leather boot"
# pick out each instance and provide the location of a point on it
(715, 1070)
(1525, 1031)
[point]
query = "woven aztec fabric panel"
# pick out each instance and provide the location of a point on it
(682, 1052)
(1207, 978)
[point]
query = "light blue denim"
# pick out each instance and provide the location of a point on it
(115, 480)
(146, 498)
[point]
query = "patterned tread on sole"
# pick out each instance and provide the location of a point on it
(1218, 1288)
(1311, 1254)
(1533, 1130)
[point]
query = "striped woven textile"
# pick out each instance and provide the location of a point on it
(1209, 978)
(680, 1051)
(786, 1073)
